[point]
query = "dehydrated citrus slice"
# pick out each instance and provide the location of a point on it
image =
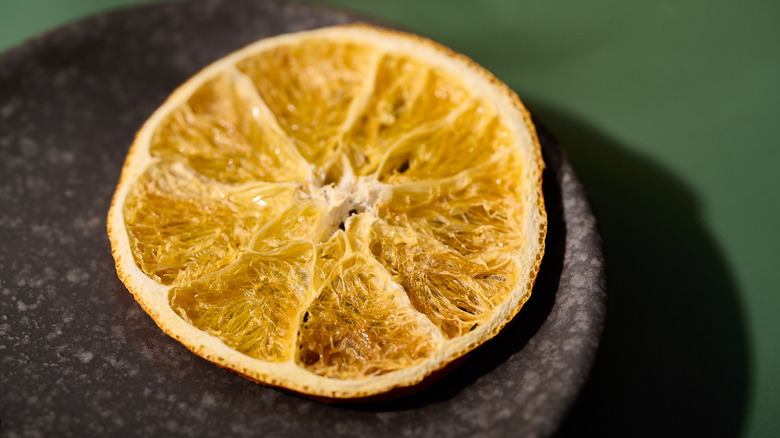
(338, 212)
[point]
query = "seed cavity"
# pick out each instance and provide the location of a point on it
(309, 357)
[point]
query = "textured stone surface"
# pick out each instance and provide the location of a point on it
(77, 354)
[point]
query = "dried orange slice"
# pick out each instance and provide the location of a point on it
(338, 212)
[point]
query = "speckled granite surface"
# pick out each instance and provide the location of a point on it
(79, 357)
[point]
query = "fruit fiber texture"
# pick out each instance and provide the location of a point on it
(338, 212)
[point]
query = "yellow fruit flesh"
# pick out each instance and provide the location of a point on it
(332, 205)
(360, 323)
(310, 89)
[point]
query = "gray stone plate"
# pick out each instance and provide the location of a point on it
(77, 354)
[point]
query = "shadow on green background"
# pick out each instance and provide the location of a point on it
(674, 357)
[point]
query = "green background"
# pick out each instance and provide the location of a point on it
(670, 112)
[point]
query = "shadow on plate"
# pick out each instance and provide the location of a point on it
(674, 356)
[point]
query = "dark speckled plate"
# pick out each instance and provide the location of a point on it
(78, 355)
